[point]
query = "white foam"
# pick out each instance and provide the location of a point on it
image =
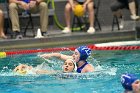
(109, 71)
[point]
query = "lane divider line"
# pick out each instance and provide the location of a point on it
(92, 47)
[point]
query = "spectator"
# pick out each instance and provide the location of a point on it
(117, 7)
(87, 4)
(32, 6)
(2, 34)
(130, 83)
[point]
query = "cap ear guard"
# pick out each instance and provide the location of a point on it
(75, 66)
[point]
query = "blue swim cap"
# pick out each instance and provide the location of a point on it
(127, 80)
(84, 52)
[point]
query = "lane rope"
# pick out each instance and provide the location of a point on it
(114, 46)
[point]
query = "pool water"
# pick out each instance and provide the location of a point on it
(109, 65)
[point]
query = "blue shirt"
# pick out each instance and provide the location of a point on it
(27, 1)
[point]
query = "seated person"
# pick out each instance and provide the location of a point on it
(130, 83)
(117, 7)
(80, 56)
(32, 6)
(2, 34)
(87, 4)
(68, 66)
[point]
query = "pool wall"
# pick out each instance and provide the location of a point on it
(73, 39)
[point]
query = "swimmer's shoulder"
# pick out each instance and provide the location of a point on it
(89, 68)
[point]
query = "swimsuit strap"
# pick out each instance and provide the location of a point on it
(80, 68)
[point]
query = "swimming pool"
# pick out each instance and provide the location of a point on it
(109, 65)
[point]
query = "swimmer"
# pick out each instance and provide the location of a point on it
(68, 66)
(80, 57)
(130, 83)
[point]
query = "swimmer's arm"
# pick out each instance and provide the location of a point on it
(65, 57)
(58, 55)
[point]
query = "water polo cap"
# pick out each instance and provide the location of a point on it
(84, 52)
(127, 80)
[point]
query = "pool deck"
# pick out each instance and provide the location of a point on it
(55, 38)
